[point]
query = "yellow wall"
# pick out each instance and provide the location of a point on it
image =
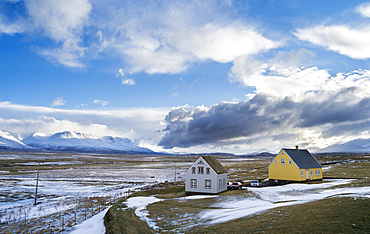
(290, 171)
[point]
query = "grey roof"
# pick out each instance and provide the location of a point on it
(216, 165)
(302, 158)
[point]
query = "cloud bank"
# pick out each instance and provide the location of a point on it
(135, 124)
(291, 105)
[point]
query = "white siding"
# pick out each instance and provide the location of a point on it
(201, 179)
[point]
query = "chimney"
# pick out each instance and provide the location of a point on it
(296, 147)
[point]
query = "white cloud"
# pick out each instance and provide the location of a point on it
(174, 49)
(59, 101)
(280, 79)
(120, 73)
(49, 125)
(364, 10)
(221, 43)
(10, 28)
(354, 43)
(124, 81)
(172, 36)
(63, 22)
(128, 82)
(168, 38)
(101, 102)
(120, 122)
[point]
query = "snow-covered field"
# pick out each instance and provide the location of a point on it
(277, 196)
(65, 189)
(226, 208)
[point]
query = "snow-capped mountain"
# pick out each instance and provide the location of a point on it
(358, 146)
(81, 142)
(8, 141)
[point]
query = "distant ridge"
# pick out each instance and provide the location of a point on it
(8, 141)
(354, 146)
(72, 142)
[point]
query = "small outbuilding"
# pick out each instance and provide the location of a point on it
(294, 165)
(206, 175)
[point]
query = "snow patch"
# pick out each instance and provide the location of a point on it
(277, 196)
(140, 204)
(93, 225)
(197, 197)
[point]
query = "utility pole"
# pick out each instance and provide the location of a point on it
(175, 171)
(37, 182)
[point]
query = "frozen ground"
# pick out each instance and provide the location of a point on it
(277, 196)
(226, 208)
(69, 182)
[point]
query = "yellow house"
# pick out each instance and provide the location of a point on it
(295, 165)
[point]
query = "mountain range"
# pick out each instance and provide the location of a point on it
(81, 142)
(70, 141)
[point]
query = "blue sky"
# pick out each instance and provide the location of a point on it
(188, 76)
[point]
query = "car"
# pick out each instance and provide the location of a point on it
(255, 183)
(228, 185)
(236, 185)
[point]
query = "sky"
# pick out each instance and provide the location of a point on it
(189, 76)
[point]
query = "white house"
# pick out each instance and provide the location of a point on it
(206, 175)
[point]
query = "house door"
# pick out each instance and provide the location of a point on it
(307, 174)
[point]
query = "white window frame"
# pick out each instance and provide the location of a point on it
(282, 161)
(224, 182)
(193, 183)
(311, 172)
(319, 171)
(290, 162)
(275, 161)
(302, 173)
(206, 185)
(220, 183)
(193, 170)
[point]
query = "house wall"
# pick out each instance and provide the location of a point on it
(202, 178)
(290, 171)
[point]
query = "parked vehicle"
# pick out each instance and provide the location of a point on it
(255, 183)
(228, 185)
(236, 185)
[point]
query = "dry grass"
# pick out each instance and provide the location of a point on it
(331, 215)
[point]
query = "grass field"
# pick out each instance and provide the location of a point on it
(343, 213)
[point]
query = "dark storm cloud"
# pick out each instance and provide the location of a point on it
(261, 116)
(347, 129)
(226, 121)
(337, 109)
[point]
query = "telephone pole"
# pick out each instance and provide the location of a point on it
(175, 171)
(37, 182)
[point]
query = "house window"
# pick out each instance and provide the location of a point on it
(220, 183)
(319, 171)
(311, 172)
(200, 162)
(290, 162)
(302, 173)
(208, 184)
(315, 172)
(282, 161)
(224, 182)
(208, 171)
(200, 170)
(275, 161)
(282, 153)
(193, 170)
(193, 183)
